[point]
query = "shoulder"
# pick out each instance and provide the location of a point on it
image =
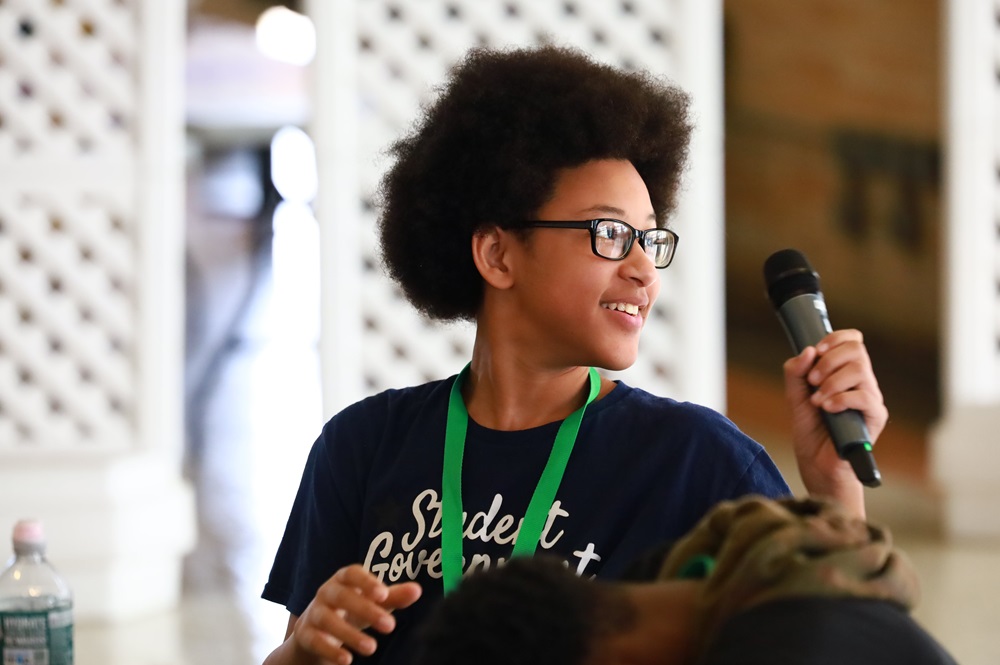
(360, 429)
(381, 409)
(690, 436)
(637, 405)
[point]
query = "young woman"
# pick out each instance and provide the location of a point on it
(533, 199)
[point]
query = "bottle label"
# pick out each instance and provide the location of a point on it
(36, 638)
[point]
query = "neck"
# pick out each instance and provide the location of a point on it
(508, 393)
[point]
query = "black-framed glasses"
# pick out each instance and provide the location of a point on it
(612, 239)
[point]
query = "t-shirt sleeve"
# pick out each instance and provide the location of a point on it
(724, 462)
(762, 477)
(322, 532)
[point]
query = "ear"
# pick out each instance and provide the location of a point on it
(492, 256)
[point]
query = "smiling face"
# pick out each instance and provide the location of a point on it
(573, 308)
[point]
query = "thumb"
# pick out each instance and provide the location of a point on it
(796, 369)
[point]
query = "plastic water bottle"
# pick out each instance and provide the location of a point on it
(36, 605)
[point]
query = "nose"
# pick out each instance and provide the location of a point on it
(638, 267)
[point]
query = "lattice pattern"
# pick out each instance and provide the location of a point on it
(406, 47)
(996, 201)
(67, 224)
(66, 77)
(65, 320)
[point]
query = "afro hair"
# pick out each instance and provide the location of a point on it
(488, 150)
(530, 610)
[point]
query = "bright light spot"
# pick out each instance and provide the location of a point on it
(295, 262)
(293, 165)
(285, 35)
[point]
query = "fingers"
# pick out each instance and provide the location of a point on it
(798, 366)
(402, 595)
(797, 389)
(360, 595)
(838, 348)
(839, 368)
(326, 632)
(838, 372)
(345, 605)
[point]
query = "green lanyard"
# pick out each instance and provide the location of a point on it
(451, 481)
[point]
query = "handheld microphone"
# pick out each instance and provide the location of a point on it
(793, 287)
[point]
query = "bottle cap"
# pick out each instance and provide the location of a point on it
(29, 532)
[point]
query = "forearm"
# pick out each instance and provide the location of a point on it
(843, 487)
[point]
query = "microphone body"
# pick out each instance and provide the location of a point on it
(793, 287)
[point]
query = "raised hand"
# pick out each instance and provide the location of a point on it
(835, 375)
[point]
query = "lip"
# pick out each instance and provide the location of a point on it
(630, 321)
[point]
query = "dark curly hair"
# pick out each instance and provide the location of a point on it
(532, 610)
(487, 152)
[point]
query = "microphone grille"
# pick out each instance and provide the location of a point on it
(787, 274)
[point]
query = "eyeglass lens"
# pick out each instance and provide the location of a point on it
(613, 239)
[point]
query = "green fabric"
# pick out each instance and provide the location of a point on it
(541, 500)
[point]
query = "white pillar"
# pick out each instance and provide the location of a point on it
(334, 126)
(91, 346)
(701, 260)
(966, 442)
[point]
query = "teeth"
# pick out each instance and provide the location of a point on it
(632, 310)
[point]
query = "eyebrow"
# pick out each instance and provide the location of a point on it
(612, 210)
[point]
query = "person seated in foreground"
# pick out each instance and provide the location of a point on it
(756, 581)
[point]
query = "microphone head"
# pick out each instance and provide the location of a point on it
(787, 274)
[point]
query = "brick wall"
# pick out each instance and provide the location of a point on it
(833, 128)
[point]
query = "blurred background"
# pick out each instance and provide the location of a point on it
(189, 285)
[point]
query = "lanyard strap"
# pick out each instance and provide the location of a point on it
(537, 513)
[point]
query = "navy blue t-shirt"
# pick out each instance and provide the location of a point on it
(644, 470)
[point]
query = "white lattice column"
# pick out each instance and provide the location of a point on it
(701, 263)
(379, 59)
(334, 127)
(91, 288)
(966, 442)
